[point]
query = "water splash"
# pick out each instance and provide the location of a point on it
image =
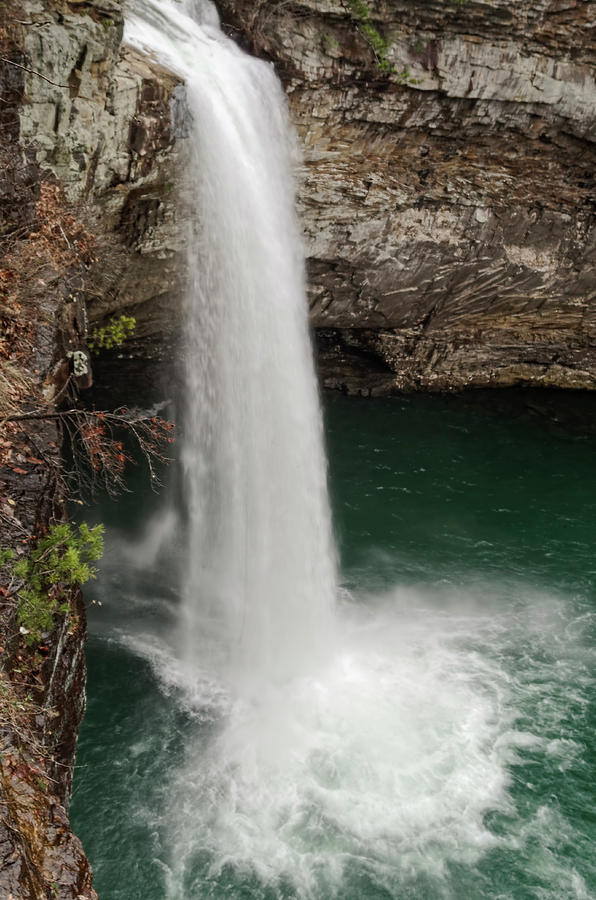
(336, 755)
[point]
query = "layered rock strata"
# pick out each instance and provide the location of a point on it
(104, 123)
(448, 217)
(448, 208)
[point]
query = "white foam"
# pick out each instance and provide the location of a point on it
(373, 741)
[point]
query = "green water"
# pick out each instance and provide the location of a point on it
(466, 529)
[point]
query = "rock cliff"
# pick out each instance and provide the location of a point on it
(448, 207)
(447, 196)
(88, 225)
(103, 122)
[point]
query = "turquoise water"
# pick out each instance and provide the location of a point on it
(449, 749)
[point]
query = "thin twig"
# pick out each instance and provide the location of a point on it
(10, 62)
(69, 245)
(40, 415)
(38, 24)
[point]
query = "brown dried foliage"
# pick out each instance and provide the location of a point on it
(57, 243)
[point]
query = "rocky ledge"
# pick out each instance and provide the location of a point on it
(103, 122)
(447, 196)
(88, 226)
(448, 207)
(447, 191)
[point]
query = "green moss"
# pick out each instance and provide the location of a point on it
(329, 42)
(379, 44)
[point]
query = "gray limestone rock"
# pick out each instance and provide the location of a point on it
(448, 213)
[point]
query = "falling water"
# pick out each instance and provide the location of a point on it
(260, 582)
(363, 750)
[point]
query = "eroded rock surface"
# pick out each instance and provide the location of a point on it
(449, 212)
(105, 125)
(448, 216)
(88, 226)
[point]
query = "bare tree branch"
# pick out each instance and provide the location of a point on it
(98, 453)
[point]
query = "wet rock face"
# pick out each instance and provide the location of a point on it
(42, 690)
(39, 855)
(449, 212)
(105, 126)
(88, 226)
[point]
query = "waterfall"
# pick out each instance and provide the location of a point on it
(255, 740)
(259, 588)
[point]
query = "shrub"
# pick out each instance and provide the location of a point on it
(113, 334)
(61, 560)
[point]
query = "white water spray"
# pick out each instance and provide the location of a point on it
(356, 753)
(261, 577)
